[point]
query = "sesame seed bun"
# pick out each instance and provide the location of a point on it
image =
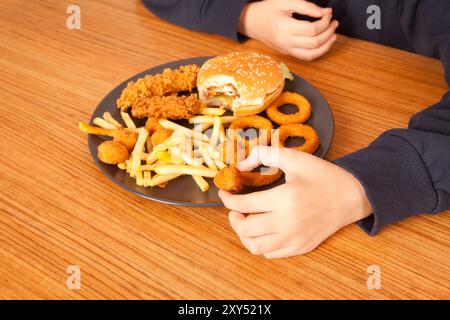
(245, 82)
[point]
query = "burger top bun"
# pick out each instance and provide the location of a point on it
(245, 82)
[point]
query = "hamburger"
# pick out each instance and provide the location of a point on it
(244, 82)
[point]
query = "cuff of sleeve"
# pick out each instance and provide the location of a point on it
(222, 17)
(395, 179)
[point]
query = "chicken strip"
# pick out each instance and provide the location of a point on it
(168, 82)
(167, 107)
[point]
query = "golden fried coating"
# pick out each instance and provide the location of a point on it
(259, 179)
(229, 179)
(166, 83)
(299, 130)
(167, 107)
(126, 137)
(160, 135)
(112, 152)
(152, 125)
(263, 125)
(301, 116)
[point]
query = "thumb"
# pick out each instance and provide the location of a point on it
(306, 8)
(267, 156)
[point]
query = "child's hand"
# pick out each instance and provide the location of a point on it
(317, 200)
(271, 22)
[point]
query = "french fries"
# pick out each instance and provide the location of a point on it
(147, 178)
(139, 179)
(162, 178)
(127, 119)
(201, 182)
(210, 119)
(216, 131)
(138, 149)
(186, 131)
(102, 123)
(212, 111)
(109, 118)
(186, 169)
(220, 164)
(186, 152)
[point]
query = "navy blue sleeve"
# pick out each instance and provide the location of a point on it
(212, 16)
(405, 171)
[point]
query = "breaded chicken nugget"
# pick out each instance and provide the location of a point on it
(112, 152)
(229, 179)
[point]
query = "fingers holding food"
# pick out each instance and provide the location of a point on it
(299, 130)
(112, 152)
(232, 152)
(229, 179)
(301, 116)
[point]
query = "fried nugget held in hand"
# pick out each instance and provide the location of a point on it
(229, 179)
(112, 152)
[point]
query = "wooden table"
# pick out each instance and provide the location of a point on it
(57, 209)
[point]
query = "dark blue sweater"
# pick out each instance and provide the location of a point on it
(404, 171)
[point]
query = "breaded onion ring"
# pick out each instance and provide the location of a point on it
(259, 179)
(299, 130)
(252, 121)
(301, 116)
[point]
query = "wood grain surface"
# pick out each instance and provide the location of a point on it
(57, 209)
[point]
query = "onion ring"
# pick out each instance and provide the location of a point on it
(301, 116)
(258, 179)
(299, 130)
(252, 121)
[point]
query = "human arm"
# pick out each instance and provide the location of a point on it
(407, 171)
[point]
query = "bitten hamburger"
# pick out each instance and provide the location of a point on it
(245, 82)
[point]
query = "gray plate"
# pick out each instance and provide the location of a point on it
(183, 190)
